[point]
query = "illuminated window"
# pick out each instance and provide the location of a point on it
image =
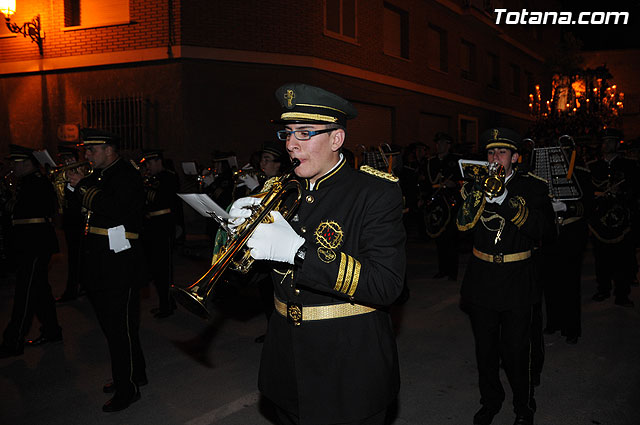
(438, 50)
(340, 19)
(467, 60)
(95, 13)
(493, 71)
(396, 31)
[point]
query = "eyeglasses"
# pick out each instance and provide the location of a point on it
(301, 134)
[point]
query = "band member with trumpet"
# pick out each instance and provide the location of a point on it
(337, 267)
(615, 180)
(441, 205)
(71, 226)
(112, 198)
(32, 241)
(159, 229)
(499, 287)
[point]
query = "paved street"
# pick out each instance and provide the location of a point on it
(205, 372)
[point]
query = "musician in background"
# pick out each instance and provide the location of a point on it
(616, 181)
(330, 354)
(500, 285)
(412, 180)
(72, 224)
(159, 227)
(113, 198)
(441, 205)
(561, 261)
(32, 242)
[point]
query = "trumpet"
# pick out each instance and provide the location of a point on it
(59, 178)
(493, 183)
(234, 254)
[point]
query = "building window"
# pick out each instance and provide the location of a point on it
(493, 71)
(124, 116)
(515, 80)
(396, 31)
(467, 60)
(438, 51)
(531, 85)
(340, 19)
(468, 133)
(95, 13)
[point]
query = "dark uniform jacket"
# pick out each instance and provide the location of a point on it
(161, 202)
(111, 197)
(441, 201)
(526, 218)
(340, 369)
(35, 199)
(616, 186)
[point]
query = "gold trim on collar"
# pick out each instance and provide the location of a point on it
(306, 116)
(324, 178)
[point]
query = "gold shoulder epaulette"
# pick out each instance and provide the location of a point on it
(370, 170)
(537, 177)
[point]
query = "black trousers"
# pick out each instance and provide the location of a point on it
(562, 275)
(158, 248)
(447, 247)
(503, 335)
(32, 297)
(614, 262)
(118, 312)
(73, 238)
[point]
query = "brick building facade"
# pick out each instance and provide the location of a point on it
(198, 76)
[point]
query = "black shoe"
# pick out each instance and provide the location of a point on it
(109, 387)
(573, 340)
(485, 415)
(624, 302)
(439, 275)
(259, 339)
(116, 403)
(41, 340)
(600, 296)
(6, 352)
(66, 297)
(523, 420)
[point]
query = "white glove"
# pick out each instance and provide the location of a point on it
(275, 241)
(249, 181)
(241, 209)
(559, 206)
(498, 200)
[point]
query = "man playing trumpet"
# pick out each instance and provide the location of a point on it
(499, 287)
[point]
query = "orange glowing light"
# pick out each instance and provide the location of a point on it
(8, 7)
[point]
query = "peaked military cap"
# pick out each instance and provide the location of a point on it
(308, 104)
(610, 133)
(501, 138)
(441, 135)
(67, 149)
(19, 153)
(277, 149)
(94, 136)
(148, 154)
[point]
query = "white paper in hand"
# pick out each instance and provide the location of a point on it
(117, 239)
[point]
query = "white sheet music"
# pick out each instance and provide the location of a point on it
(44, 158)
(202, 203)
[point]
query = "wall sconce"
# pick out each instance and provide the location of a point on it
(31, 29)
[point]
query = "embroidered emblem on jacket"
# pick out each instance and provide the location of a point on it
(329, 236)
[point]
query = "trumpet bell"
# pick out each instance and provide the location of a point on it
(193, 302)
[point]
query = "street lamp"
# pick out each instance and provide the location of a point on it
(31, 29)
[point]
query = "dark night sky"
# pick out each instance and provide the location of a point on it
(606, 37)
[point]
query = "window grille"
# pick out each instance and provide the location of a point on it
(125, 116)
